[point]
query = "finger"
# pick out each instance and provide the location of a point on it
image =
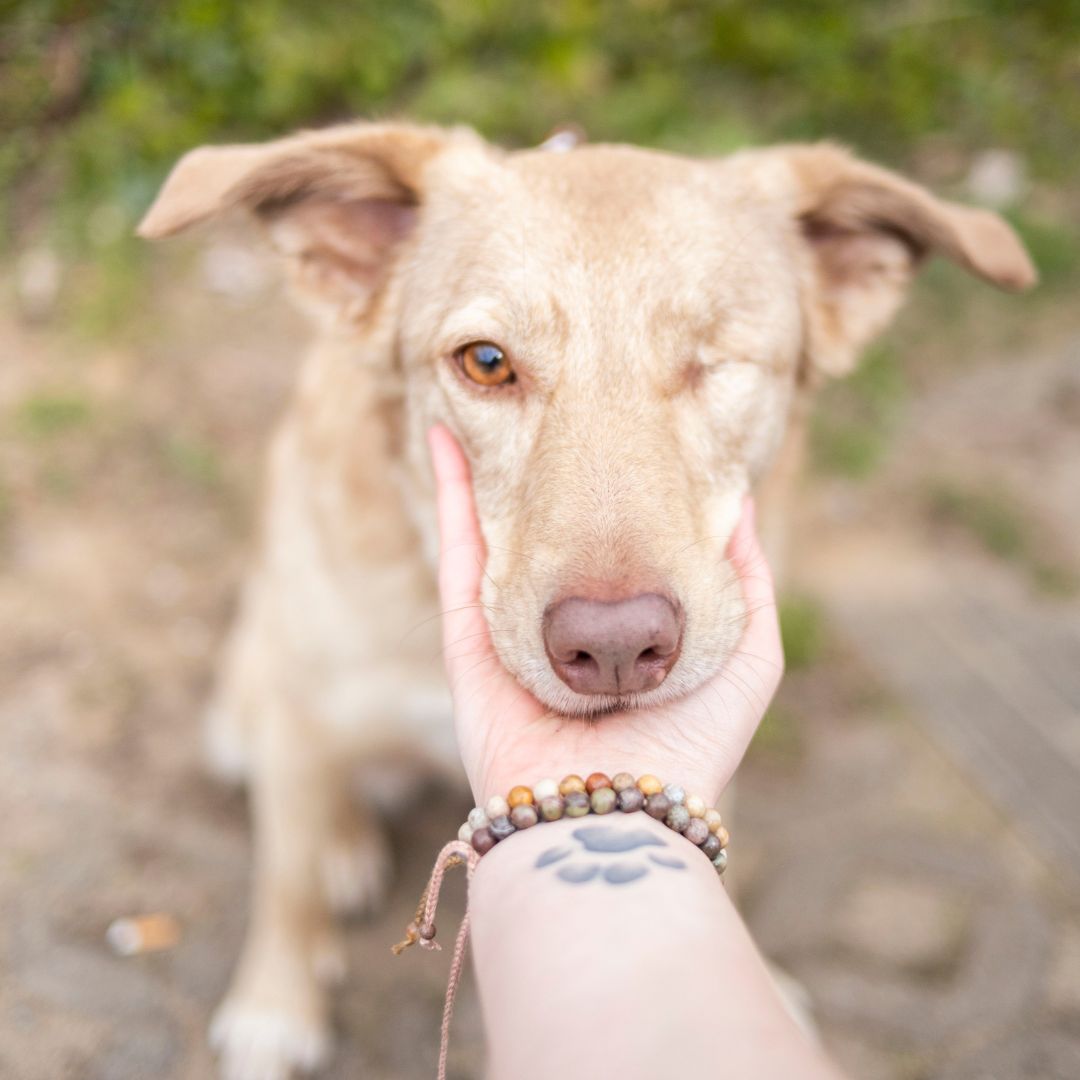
(761, 637)
(461, 553)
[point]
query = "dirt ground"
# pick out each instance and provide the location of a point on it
(930, 908)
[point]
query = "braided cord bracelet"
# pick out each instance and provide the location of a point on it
(547, 801)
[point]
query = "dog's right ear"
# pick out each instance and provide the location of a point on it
(338, 202)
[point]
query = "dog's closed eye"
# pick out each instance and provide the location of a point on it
(486, 364)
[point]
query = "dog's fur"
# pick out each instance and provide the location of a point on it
(667, 318)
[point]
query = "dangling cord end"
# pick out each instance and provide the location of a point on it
(422, 930)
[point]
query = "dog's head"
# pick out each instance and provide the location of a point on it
(614, 335)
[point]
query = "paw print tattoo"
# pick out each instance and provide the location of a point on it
(595, 856)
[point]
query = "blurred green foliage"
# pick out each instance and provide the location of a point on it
(98, 97)
(802, 629)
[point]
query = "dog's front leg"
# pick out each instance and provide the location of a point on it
(275, 1017)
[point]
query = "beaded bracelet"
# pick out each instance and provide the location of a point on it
(573, 797)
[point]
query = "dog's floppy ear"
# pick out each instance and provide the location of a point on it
(337, 201)
(867, 230)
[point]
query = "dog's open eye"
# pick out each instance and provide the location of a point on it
(486, 364)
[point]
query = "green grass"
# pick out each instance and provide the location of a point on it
(803, 630)
(194, 461)
(1001, 524)
(46, 414)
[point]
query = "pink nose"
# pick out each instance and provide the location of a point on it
(616, 647)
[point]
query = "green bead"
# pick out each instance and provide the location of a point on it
(576, 804)
(603, 800)
(551, 807)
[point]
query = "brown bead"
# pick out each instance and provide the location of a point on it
(519, 796)
(576, 804)
(596, 780)
(524, 817)
(711, 846)
(649, 785)
(723, 836)
(482, 840)
(603, 800)
(657, 805)
(427, 931)
(622, 780)
(630, 799)
(696, 831)
(551, 808)
(713, 819)
(570, 783)
(501, 827)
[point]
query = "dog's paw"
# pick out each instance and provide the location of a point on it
(262, 1044)
(356, 873)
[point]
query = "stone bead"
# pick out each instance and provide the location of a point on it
(603, 800)
(465, 832)
(501, 827)
(649, 785)
(695, 804)
(677, 818)
(571, 783)
(576, 804)
(621, 781)
(675, 793)
(495, 807)
(524, 817)
(551, 807)
(713, 819)
(711, 847)
(630, 799)
(520, 796)
(426, 930)
(657, 805)
(478, 818)
(482, 840)
(545, 789)
(723, 836)
(720, 862)
(696, 831)
(595, 781)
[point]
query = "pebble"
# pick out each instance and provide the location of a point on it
(501, 827)
(576, 804)
(649, 785)
(545, 789)
(630, 799)
(482, 840)
(696, 831)
(675, 793)
(495, 807)
(711, 847)
(677, 818)
(695, 804)
(478, 818)
(571, 783)
(657, 805)
(520, 796)
(595, 781)
(551, 807)
(603, 800)
(713, 819)
(524, 817)
(622, 781)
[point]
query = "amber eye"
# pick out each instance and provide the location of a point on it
(486, 364)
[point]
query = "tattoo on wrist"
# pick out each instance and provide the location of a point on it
(595, 855)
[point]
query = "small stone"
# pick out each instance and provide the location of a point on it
(576, 804)
(482, 840)
(571, 783)
(520, 796)
(545, 789)
(720, 862)
(675, 793)
(501, 827)
(524, 817)
(657, 805)
(478, 818)
(603, 800)
(713, 819)
(630, 799)
(551, 807)
(495, 807)
(649, 785)
(595, 781)
(723, 836)
(711, 847)
(677, 818)
(696, 831)
(621, 781)
(465, 832)
(695, 805)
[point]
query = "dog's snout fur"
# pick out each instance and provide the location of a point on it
(613, 647)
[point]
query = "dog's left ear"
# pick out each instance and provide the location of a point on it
(867, 230)
(337, 202)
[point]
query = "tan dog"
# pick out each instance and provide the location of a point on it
(624, 342)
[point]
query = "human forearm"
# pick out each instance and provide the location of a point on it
(626, 977)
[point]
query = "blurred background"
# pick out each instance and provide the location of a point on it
(908, 841)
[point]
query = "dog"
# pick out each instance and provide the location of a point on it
(624, 342)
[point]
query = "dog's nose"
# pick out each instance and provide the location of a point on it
(616, 647)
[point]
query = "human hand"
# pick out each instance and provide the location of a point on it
(507, 737)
